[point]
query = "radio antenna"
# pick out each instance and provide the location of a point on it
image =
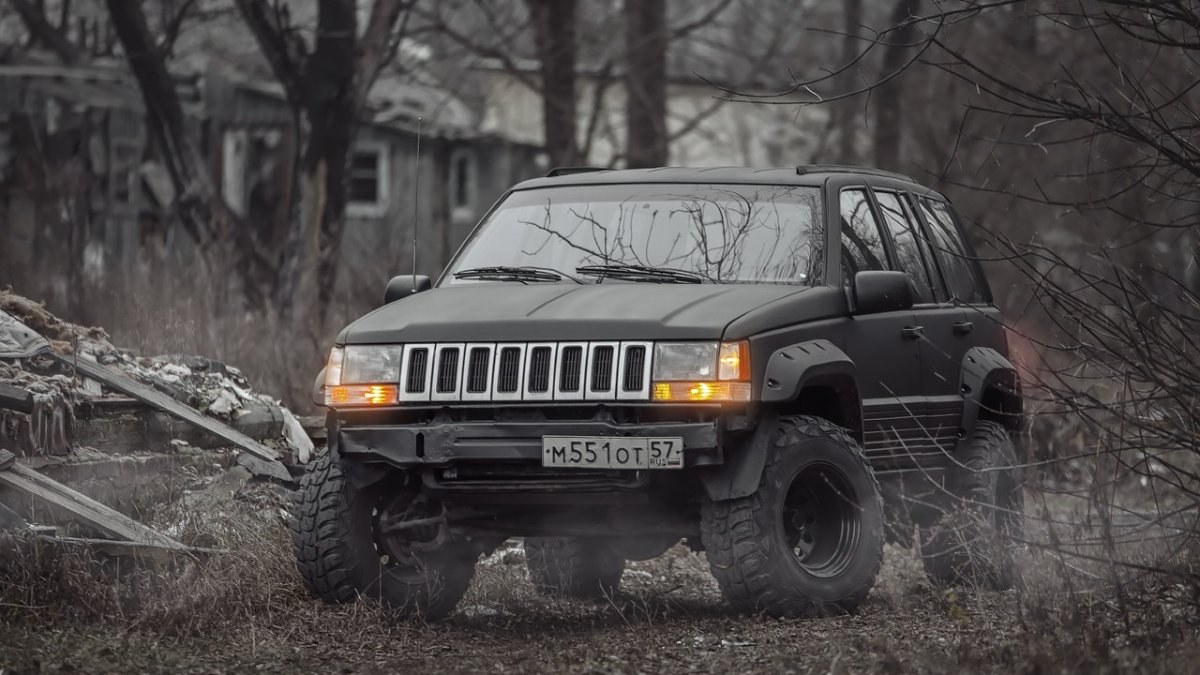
(416, 213)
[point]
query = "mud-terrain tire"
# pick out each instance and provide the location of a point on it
(339, 555)
(972, 542)
(579, 567)
(775, 552)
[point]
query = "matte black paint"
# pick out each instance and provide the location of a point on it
(508, 311)
(916, 375)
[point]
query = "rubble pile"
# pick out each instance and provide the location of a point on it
(211, 387)
(96, 433)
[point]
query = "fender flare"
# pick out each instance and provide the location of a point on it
(788, 371)
(982, 367)
(791, 368)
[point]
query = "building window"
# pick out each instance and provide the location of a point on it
(368, 184)
(462, 180)
(462, 186)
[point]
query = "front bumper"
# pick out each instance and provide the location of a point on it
(449, 443)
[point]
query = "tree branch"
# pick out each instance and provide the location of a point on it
(280, 44)
(45, 32)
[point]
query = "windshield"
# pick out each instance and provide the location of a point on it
(594, 233)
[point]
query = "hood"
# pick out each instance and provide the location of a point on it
(506, 311)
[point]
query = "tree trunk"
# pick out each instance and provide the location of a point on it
(554, 34)
(847, 110)
(646, 83)
(194, 196)
(888, 102)
(332, 106)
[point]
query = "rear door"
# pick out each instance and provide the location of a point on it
(884, 346)
(952, 328)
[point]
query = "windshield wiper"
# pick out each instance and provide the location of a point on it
(507, 273)
(665, 275)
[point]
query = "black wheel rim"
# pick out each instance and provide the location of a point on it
(821, 519)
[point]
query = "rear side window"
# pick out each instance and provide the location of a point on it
(911, 251)
(862, 242)
(959, 269)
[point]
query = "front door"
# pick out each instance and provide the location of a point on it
(885, 346)
(944, 332)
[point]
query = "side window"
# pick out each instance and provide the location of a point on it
(911, 251)
(862, 243)
(959, 268)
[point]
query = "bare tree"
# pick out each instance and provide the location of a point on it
(33, 16)
(326, 85)
(889, 103)
(195, 199)
(646, 83)
(554, 27)
(848, 110)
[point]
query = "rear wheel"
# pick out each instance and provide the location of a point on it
(387, 542)
(582, 567)
(809, 541)
(973, 541)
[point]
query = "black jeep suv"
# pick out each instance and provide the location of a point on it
(782, 367)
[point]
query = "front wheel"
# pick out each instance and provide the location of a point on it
(387, 542)
(809, 541)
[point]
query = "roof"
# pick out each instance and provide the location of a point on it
(813, 175)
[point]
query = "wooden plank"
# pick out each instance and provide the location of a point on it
(270, 465)
(15, 398)
(130, 549)
(22, 479)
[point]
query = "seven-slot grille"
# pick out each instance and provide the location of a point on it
(564, 371)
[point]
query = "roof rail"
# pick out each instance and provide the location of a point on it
(845, 168)
(568, 170)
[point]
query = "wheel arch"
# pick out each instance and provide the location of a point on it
(813, 378)
(991, 390)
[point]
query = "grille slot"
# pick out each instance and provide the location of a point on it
(447, 371)
(418, 359)
(539, 370)
(602, 368)
(635, 361)
(477, 370)
(508, 370)
(570, 374)
(481, 372)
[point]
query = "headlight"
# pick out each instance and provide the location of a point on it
(363, 375)
(701, 371)
(685, 361)
(372, 363)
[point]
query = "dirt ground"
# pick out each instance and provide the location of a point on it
(250, 615)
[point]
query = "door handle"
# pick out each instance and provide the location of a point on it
(963, 327)
(912, 332)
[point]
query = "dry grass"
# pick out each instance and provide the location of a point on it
(62, 609)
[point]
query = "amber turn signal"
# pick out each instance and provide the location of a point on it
(733, 361)
(701, 391)
(361, 395)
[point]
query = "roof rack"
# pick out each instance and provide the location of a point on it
(568, 170)
(845, 168)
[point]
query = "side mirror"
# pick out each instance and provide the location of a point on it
(405, 285)
(878, 291)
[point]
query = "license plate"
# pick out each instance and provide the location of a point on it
(612, 452)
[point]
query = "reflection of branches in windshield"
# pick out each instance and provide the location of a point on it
(724, 234)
